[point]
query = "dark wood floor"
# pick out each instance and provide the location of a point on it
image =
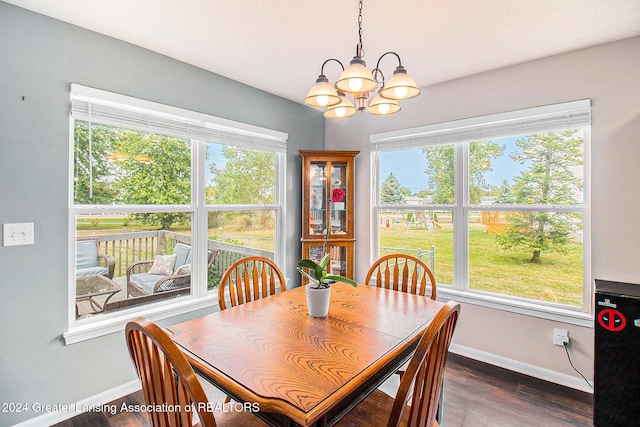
(476, 395)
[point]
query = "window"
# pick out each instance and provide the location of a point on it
(163, 200)
(497, 205)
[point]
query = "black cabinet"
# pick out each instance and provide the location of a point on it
(617, 354)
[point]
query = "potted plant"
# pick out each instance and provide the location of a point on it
(319, 290)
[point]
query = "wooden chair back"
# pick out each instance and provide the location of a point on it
(166, 376)
(249, 279)
(422, 381)
(404, 273)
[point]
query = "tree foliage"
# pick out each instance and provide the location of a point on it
(441, 170)
(505, 195)
(392, 193)
(119, 174)
(441, 173)
(548, 180)
(248, 177)
(92, 186)
(480, 155)
(163, 180)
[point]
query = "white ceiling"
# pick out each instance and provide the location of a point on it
(279, 46)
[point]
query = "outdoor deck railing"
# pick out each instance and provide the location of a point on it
(128, 248)
(418, 253)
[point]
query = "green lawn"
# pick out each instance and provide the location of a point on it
(558, 278)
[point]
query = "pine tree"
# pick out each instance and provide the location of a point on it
(391, 193)
(548, 180)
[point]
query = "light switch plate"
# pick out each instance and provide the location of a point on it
(17, 234)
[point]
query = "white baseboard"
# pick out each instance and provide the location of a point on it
(570, 381)
(64, 412)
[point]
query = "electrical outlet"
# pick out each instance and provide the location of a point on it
(560, 337)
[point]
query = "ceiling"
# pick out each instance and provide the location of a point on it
(279, 46)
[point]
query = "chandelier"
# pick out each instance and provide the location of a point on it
(359, 83)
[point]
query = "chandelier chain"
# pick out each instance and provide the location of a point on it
(360, 49)
(359, 83)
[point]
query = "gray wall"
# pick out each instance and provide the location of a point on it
(39, 58)
(608, 74)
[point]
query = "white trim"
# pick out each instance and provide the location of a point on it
(510, 123)
(555, 377)
(114, 109)
(280, 255)
(458, 134)
(146, 115)
(73, 409)
(113, 323)
(522, 306)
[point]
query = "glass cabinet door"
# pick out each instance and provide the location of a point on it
(316, 253)
(328, 207)
(318, 198)
(338, 198)
(339, 260)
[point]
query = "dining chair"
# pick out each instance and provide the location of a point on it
(402, 272)
(249, 279)
(168, 380)
(417, 398)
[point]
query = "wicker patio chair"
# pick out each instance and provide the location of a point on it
(90, 261)
(141, 283)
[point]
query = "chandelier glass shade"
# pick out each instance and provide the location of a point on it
(322, 94)
(359, 83)
(356, 78)
(342, 110)
(400, 85)
(383, 106)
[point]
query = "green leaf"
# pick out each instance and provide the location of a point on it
(308, 276)
(307, 263)
(341, 279)
(324, 261)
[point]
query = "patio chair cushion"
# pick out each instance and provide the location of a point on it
(183, 254)
(87, 262)
(92, 271)
(146, 281)
(181, 258)
(183, 269)
(163, 264)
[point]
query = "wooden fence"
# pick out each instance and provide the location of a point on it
(128, 248)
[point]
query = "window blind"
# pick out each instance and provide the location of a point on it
(513, 123)
(113, 109)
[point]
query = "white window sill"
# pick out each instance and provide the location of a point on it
(558, 314)
(98, 326)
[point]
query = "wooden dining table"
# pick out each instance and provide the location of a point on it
(302, 370)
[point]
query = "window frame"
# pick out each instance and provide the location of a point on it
(460, 133)
(197, 127)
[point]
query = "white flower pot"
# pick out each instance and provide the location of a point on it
(318, 300)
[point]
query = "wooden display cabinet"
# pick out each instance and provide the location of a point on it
(328, 207)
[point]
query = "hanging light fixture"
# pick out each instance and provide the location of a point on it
(358, 82)
(342, 110)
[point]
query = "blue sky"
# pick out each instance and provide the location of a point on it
(408, 166)
(214, 152)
